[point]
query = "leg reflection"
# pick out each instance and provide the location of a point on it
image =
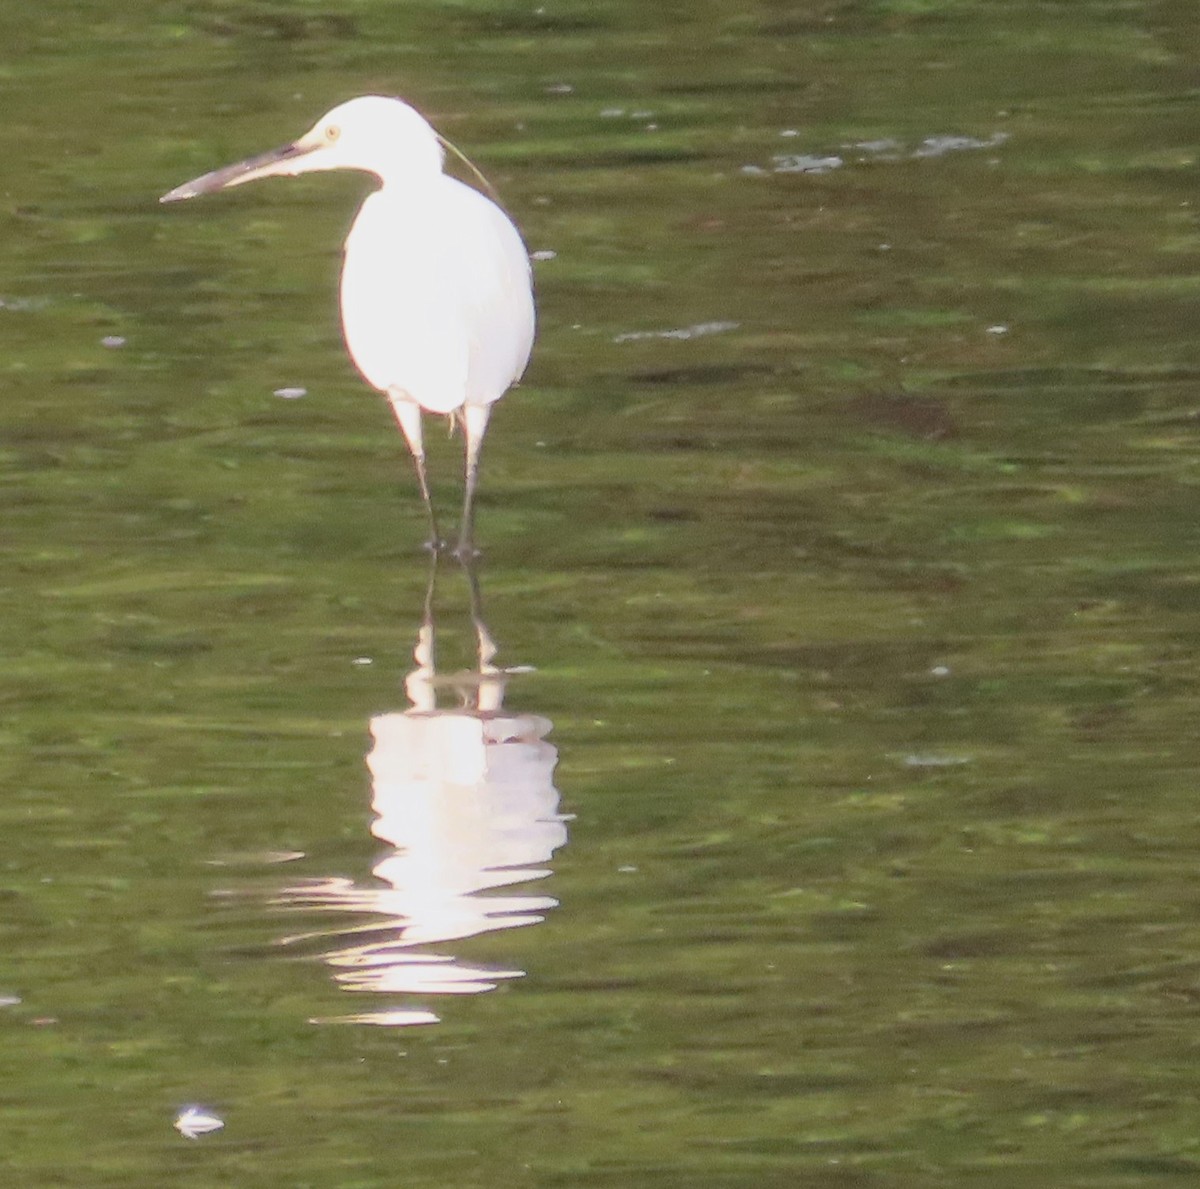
(464, 798)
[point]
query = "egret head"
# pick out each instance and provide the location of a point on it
(382, 136)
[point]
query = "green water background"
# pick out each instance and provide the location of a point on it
(867, 622)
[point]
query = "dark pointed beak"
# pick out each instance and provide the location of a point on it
(274, 161)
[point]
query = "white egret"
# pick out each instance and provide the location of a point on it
(436, 295)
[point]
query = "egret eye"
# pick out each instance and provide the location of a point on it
(332, 132)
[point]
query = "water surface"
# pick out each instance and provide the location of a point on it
(846, 519)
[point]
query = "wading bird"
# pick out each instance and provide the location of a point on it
(437, 295)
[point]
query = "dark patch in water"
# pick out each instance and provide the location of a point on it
(914, 416)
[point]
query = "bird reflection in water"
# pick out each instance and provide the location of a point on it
(464, 797)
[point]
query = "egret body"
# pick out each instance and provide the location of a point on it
(436, 295)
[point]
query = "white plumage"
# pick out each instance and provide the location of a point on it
(460, 328)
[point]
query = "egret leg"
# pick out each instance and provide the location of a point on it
(474, 422)
(408, 417)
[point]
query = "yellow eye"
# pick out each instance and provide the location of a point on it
(332, 132)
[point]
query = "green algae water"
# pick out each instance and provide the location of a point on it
(807, 783)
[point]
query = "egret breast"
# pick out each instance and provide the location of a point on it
(437, 301)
